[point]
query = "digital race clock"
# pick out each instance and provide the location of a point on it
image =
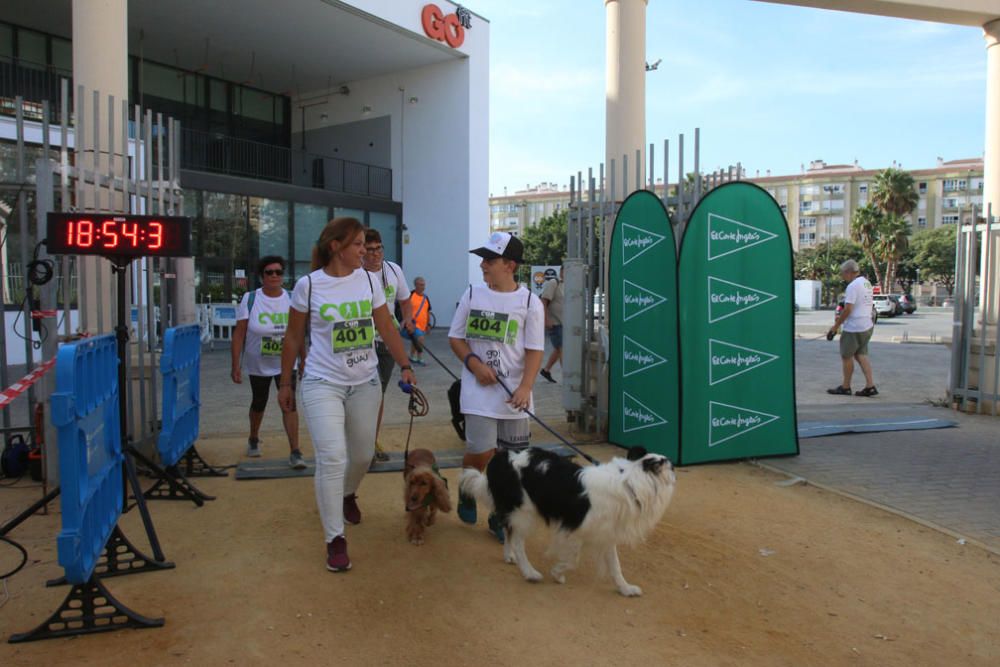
(118, 235)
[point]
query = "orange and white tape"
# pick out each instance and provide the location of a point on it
(8, 395)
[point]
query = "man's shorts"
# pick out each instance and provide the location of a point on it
(555, 336)
(855, 343)
(485, 433)
(385, 363)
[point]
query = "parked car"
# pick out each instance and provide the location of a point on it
(896, 305)
(883, 305)
(840, 307)
(908, 303)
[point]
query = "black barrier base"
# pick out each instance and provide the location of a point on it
(170, 482)
(88, 608)
(120, 557)
(195, 466)
(176, 487)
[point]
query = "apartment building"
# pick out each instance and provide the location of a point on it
(818, 202)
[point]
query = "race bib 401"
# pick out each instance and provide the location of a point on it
(353, 335)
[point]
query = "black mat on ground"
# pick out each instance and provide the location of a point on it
(820, 429)
(279, 469)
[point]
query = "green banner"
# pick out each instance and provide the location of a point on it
(737, 329)
(642, 300)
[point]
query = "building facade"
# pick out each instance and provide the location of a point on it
(291, 114)
(818, 202)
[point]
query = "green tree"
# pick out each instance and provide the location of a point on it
(906, 270)
(545, 242)
(865, 227)
(894, 192)
(894, 239)
(934, 255)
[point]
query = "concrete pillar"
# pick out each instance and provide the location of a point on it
(625, 87)
(100, 62)
(991, 159)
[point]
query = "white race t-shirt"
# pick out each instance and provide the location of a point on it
(394, 282)
(859, 292)
(499, 327)
(342, 328)
(265, 331)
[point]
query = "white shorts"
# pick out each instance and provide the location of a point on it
(483, 434)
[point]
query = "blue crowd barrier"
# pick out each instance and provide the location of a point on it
(85, 415)
(180, 366)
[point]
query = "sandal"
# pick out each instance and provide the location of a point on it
(840, 391)
(867, 391)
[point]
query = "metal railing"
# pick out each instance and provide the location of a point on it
(975, 349)
(34, 83)
(222, 154)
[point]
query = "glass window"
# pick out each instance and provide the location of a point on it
(6, 41)
(255, 104)
(62, 54)
(160, 81)
(309, 222)
(217, 95)
(349, 213)
(31, 47)
(387, 225)
(269, 218)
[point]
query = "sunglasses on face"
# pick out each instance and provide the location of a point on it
(274, 272)
(373, 249)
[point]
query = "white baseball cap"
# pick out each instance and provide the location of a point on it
(501, 244)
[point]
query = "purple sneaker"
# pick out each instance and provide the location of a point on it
(352, 513)
(336, 555)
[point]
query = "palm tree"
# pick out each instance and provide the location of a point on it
(894, 239)
(894, 192)
(865, 224)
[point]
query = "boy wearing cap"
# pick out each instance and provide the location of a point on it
(499, 334)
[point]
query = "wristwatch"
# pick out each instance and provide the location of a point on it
(407, 367)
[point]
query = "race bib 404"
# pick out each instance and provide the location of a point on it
(492, 326)
(353, 335)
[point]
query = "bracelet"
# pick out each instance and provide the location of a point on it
(407, 367)
(470, 355)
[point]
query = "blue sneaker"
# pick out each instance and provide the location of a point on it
(496, 527)
(466, 508)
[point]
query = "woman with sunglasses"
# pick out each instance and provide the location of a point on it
(262, 317)
(344, 306)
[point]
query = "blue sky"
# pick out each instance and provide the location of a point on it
(771, 86)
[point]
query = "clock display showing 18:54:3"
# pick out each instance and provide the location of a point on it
(117, 235)
(110, 234)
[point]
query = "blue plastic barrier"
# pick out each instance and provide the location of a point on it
(85, 415)
(180, 366)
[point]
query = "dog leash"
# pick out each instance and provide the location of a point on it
(423, 348)
(417, 407)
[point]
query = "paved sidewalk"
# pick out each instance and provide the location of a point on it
(948, 478)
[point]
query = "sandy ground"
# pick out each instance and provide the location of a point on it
(740, 572)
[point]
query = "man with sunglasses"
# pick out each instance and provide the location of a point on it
(396, 291)
(261, 320)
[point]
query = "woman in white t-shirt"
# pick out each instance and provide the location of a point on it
(261, 318)
(340, 391)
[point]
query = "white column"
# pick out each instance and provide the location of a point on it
(991, 157)
(625, 87)
(100, 62)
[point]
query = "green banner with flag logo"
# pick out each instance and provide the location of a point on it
(737, 329)
(642, 299)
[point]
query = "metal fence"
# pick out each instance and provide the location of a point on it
(594, 203)
(975, 362)
(127, 152)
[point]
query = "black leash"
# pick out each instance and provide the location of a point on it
(548, 428)
(418, 407)
(423, 348)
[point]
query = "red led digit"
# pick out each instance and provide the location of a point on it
(131, 231)
(155, 236)
(69, 233)
(109, 234)
(85, 233)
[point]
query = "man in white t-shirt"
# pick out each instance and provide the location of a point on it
(499, 334)
(396, 291)
(856, 318)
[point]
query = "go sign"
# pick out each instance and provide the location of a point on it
(446, 28)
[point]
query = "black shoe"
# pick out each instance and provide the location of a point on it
(839, 391)
(867, 391)
(547, 375)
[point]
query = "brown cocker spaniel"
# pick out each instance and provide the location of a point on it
(424, 493)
